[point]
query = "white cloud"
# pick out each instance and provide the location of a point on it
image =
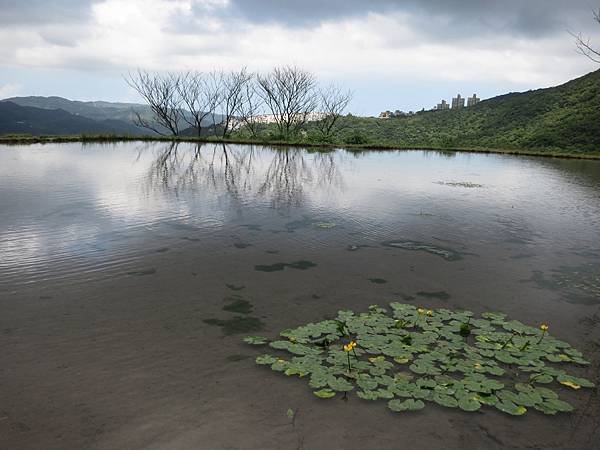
(10, 90)
(199, 34)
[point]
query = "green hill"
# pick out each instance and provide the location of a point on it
(98, 110)
(563, 118)
(16, 119)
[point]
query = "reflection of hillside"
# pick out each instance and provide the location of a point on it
(279, 175)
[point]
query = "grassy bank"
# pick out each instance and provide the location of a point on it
(382, 146)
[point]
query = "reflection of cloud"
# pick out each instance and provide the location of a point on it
(72, 207)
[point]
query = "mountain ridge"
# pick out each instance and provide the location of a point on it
(17, 119)
(564, 117)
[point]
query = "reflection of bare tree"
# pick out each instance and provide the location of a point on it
(243, 172)
(327, 170)
(285, 177)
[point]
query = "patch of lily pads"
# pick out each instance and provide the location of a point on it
(409, 356)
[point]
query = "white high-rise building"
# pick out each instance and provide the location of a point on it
(458, 102)
(472, 101)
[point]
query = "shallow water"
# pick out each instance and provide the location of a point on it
(129, 273)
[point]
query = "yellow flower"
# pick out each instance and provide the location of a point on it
(544, 327)
(430, 313)
(421, 311)
(348, 347)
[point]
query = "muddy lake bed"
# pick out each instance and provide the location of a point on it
(130, 273)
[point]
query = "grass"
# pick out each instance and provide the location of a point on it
(545, 152)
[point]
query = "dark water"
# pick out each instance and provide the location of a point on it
(115, 256)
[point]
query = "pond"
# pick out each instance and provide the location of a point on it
(130, 273)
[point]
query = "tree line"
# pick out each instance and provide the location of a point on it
(226, 101)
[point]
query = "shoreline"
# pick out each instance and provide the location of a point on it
(24, 140)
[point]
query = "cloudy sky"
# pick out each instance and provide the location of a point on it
(394, 54)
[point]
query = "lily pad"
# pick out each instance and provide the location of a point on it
(324, 393)
(469, 403)
(445, 400)
(406, 405)
(255, 340)
(511, 408)
(410, 355)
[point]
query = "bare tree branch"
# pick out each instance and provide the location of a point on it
(233, 88)
(250, 107)
(289, 93)
(161, 92)
(333, 103)
(584, 45)
(200, 94)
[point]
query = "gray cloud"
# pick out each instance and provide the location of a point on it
(531, 18)
(36, 12)
(450, 18)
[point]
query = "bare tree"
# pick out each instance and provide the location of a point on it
(290, 94)
(233, 89)
(161, 92)
(583, 44)
(201, 95)
(250, 107)
(333, 102)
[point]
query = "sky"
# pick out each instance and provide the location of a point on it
(393, 54)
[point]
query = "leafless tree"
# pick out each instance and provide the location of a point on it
(233, 89)
(161, 92)
(250, 107)
(584, 45)
(333, 102)
(201, 95)
(290, 95)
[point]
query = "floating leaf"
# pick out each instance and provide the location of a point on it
(402, 359)
(367, 395)
(541, 378)
(340, 384)
(445, 400)
(325, 225)
(324, 393)
(406, 405)
(489, 400)
(546, 393)
(511, 408)
(444, 367)
(558, 405)
(366, 383)
(469, 403)
(255, 340)
(265, 360)
(571, 382)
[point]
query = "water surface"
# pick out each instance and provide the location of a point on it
(130, 272)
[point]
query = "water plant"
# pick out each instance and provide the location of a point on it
(300, 265)
(409, 356)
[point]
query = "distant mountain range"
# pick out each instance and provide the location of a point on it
(57, 116)
(16, 119)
